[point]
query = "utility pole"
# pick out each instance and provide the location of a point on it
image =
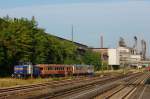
(101, 54)
(72, 30)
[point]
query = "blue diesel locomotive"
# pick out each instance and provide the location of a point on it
(25, 71)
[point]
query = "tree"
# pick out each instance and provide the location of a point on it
(92, 58)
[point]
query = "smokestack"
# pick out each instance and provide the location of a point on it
(143, 44)
(135, 44)
(101, 38)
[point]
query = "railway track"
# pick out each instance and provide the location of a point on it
(23, 90)
(55, 89)
(126, 89)
(142, 91)
(82, 91)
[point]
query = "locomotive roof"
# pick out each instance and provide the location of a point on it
(21, 66)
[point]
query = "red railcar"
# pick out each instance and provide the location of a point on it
(55, 70)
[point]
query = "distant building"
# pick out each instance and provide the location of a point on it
(103, 52)
(135, 58)
(121, 56)
(124, 53)
(129, 56)
(118, 56)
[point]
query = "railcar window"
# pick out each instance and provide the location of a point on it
(41, 68)
(49, 68)
(56, 68)
(45, 68)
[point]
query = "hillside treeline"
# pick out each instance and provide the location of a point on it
(21, 40)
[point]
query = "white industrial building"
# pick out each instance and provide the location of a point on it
(135, 57)
(128, 54)
(113, 57)
(122, 55)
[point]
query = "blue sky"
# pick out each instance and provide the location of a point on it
(16, 3)
(91, 18)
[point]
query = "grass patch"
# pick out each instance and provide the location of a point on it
(8, 82)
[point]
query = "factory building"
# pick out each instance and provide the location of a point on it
(103, 52)
(124, 53)
(135, 57)
(119, 56)
(128, 54)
